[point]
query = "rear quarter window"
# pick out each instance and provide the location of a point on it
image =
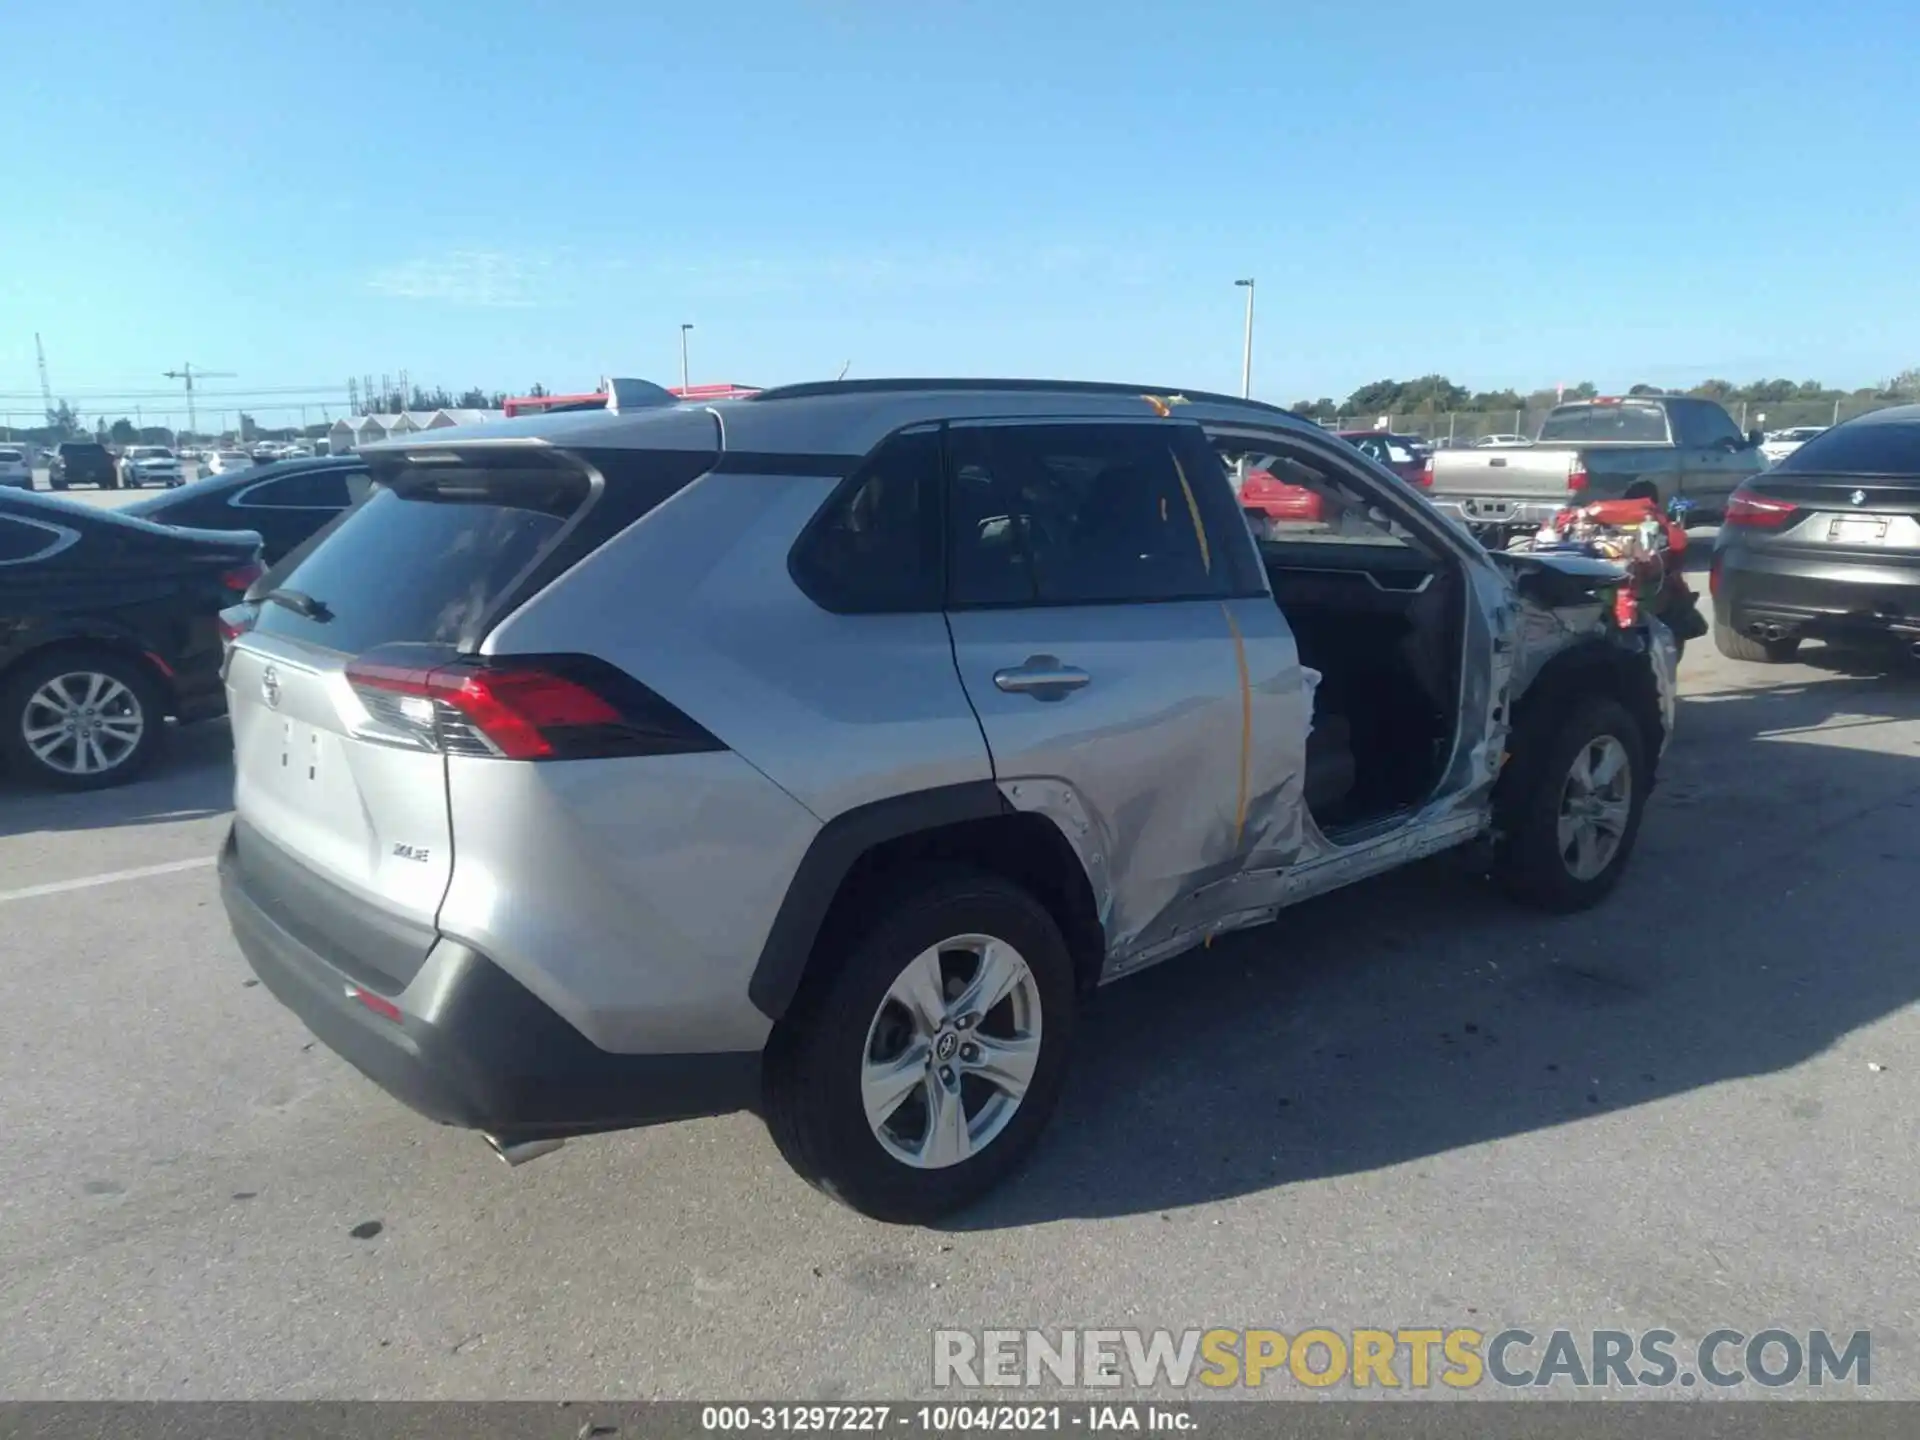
(439, 552)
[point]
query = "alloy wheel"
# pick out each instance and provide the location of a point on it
(951, 1051)
(83, 723)
(1596, 802)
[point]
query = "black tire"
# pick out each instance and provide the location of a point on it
(813, 1103)
(1529, 861)
(36, 672)
(1735, 646)
(57, 484)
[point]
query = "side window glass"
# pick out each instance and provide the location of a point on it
(1717, 427)
(315, 490)
(1089, 514)
(1298, 496)
(23, 542)
(875, 547)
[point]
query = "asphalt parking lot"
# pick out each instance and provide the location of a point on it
(1405, 1104)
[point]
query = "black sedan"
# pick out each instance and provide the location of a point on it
(1826, 543)
(284, 502)
(108, 625)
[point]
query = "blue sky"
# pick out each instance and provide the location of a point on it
(497, 193)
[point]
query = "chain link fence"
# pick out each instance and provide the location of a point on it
(1464, 427)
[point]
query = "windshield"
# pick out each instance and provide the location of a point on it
(1606, 424)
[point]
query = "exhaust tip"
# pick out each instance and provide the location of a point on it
(519, 1152)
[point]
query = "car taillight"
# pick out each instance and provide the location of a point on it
(547, 707)
(242, 579)
(1577, 476)
(1626, 606)
(1426, 473)
(1758, 512)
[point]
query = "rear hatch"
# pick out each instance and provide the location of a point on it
(1874, 519)
(358, 674)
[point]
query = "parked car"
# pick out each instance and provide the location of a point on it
(1826, 543)
(651, 764)
(16, 467)
(1779, 444)
(108, 624)
(283, 503)
(1499, 442)
(1405, 455)
(225, 462)
(142, 465)
(82, 462)
(1665, 448)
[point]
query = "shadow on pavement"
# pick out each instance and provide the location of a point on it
(1763, 918)
(192, 777)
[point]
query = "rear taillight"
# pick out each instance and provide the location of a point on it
(549, 707)
(1577, 476)
(1426, 473)
(1758, 512)
(242, 579)
(378, 1004)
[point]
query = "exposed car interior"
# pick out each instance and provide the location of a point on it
(1378, 613)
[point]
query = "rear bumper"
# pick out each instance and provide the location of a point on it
(475, 1048)
(1497, 510)
(1819, 597)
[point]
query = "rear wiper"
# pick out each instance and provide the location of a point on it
(301, 603)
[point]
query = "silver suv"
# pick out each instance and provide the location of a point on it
(817, 752)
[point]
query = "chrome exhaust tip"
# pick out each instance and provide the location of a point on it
(519, 1152)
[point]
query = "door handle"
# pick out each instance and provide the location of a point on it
(1043, 677)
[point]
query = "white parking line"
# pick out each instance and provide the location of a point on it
(112, 877)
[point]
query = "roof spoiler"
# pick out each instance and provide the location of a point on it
(624, 395)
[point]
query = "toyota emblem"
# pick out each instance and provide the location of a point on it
(1859, 497)
(270, 687)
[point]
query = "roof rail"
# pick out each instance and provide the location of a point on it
(813, 388)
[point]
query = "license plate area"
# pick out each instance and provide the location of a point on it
(300, 758)
(1857, 530)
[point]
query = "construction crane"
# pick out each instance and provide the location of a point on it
(187, 373)
(46, 388)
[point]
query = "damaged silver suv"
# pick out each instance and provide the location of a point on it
(817, 752)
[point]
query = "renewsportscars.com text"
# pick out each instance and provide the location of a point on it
(1415, 1358)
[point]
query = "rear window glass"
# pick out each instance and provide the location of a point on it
(426, 557)
(11, 456)
(75, 452)
(1597, 424)
(1885, 447)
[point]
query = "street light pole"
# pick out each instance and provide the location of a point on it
(1246, 356)
(684, 384)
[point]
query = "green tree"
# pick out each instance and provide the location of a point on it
(63, 422)
(1508, 399)
(1321, 409)
(121, 432)
(1640, 387)
(476, 399)
(1719, 390)
(1585, 390)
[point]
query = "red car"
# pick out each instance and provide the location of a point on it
(1277, 500)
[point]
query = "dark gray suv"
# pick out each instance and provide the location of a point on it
(816, 752)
